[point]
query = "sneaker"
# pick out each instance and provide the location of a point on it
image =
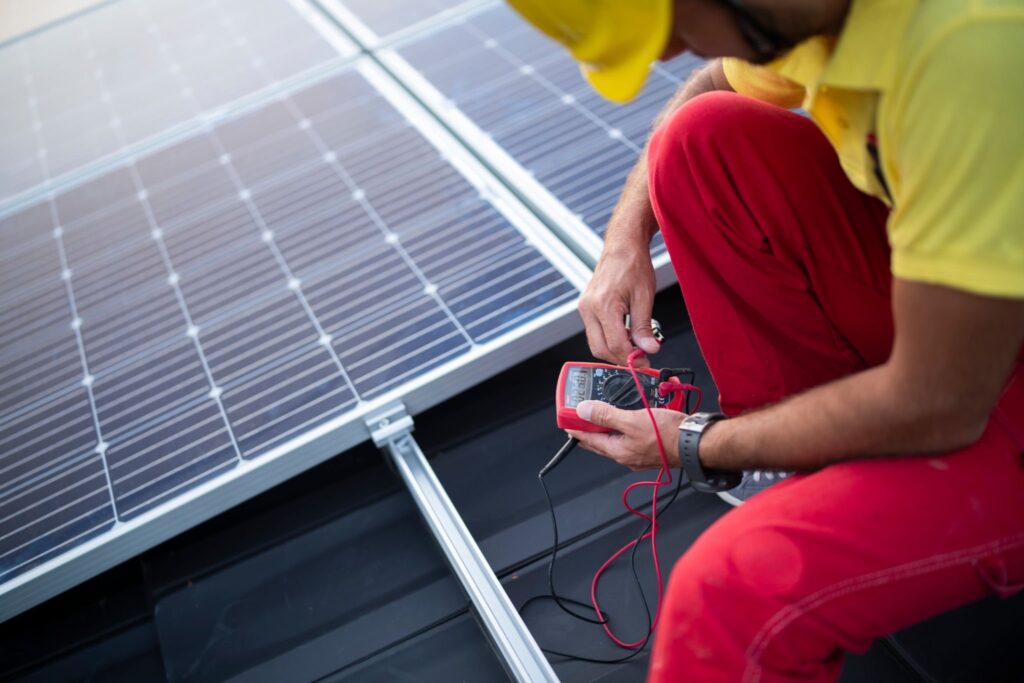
(754, 481)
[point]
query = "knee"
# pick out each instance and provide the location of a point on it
(691, 154)
(738, 575)
(759, 560)
(700, 126)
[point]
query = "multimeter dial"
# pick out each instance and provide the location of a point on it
(619, 389)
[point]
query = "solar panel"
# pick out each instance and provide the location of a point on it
(85, 91)
(375, 23)
(207, 318)
(19, 17)
(519, 98)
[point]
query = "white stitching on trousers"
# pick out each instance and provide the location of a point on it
(788, 614)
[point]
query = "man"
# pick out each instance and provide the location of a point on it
(856, 282)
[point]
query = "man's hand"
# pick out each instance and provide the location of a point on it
(623, 280)
(623, 283)
(634, 444)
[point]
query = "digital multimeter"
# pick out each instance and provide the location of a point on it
(611, 384)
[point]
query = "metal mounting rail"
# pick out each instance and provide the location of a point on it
(391, 429)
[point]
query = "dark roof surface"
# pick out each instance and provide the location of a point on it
(332, 575)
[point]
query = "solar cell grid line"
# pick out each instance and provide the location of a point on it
(359, 195)
(228, 345)
(23, 150)
(45, 454)
(519, 99)
(139, 484)
(133, 72)
(41, 516)
(303, 125)
(243, 195)
(35, 332)
(294, 284)
(560, 76)
(377, 23)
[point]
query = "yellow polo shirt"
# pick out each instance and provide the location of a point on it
(924, 103)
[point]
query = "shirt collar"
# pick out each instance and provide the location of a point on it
(804, 63)
(864, 56)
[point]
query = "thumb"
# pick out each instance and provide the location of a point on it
(600, 413)
(643, 334)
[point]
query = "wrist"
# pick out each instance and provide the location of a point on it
(627, 250)
(693, 431)
(710, 450)
(671, 445)
(627, 245)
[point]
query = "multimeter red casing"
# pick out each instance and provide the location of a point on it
(597, 376)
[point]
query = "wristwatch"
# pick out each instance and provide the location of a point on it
(704, 480)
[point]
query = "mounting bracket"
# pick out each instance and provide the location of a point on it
(391, 429)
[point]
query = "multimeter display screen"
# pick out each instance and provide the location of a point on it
(577, 386)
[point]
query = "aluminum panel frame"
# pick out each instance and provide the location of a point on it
(556, 215)
(370, 40)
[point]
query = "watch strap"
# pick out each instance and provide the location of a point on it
(705, 480)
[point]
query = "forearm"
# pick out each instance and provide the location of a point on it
(952, 355)
(633, 221)
(865, 414)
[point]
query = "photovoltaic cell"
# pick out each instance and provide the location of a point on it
(373, 22)
(127, 71)
(53, 489)
(525, 93)
(191, 309)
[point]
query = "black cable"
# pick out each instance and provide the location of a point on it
(562, 601)
(565, 450)
(552, 594)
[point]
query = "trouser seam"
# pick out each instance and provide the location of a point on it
(790, 613)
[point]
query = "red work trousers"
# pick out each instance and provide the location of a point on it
(784, 267)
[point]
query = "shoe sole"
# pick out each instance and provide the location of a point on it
(729, 498)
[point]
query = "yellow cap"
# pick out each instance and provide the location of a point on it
(615, 41)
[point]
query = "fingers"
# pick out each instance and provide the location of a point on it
(633, 443)
(641, 362)
(616, 447)
(640, 322)
(608, 445)
(608, 337)
(602, 318)
(595, 333)
(605, 415)
(623, 283)
(616, 335)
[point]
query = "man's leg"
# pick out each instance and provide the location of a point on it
(824, 563)
(783, 263)
(784, 266)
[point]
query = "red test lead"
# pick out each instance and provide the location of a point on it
(627, 388)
